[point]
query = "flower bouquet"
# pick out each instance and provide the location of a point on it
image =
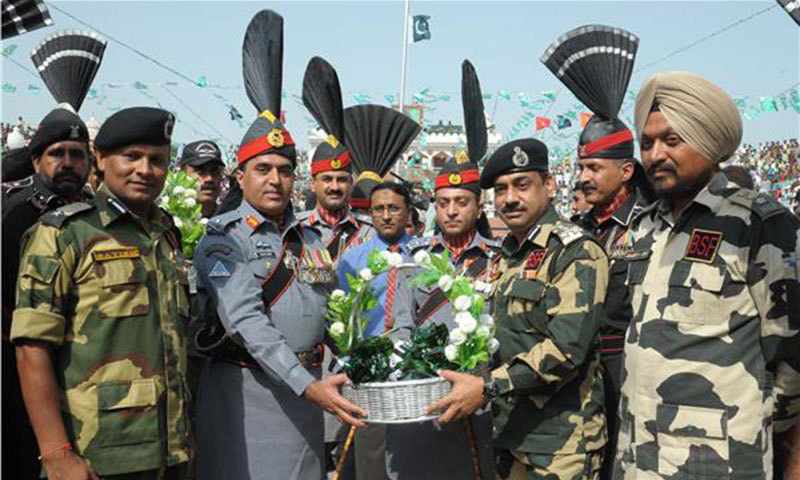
(396, 383)
(179, 199)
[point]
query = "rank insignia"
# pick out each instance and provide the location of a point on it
(219, 271)
(115, 254)
(535, 259)
(252, 222)
(275, 138)
(703, 246)
(454, 179)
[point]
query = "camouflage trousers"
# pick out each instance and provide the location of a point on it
(514, 465)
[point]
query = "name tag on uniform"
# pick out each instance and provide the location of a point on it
(116, 253)
(703, 245)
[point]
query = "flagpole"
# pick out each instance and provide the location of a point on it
(405, 54)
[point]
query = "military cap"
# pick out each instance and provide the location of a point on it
(199, 153)
(362, 189)
(57, 126)
(459, 172)
(147, 125)
(524, 155)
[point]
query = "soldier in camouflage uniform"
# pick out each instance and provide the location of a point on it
(100, 318)
(710, 362)
(548, 293)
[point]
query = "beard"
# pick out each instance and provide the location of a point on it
(684, 188)
(66, 185)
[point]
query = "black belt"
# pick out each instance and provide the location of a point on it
(232, 353)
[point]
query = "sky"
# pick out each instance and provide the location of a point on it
(757, 57)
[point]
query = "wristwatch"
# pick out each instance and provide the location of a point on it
(489, 391)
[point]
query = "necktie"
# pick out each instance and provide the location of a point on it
(391, 291)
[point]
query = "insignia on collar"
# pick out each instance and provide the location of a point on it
(74, 131)
(535, 259)
(703, 245)
(252, 222)
(520, 158)
(115, 253)
(275, 138)
(219, 271)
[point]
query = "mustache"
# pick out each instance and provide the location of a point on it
(208, 186)
(66, 176)
(514, 208)
(662, 166)
(588, 187)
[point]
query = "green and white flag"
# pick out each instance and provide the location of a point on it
(421, 29)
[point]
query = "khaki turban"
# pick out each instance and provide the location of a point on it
(701, 112)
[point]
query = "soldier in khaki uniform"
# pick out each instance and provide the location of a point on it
(100, 318)
(711, 355)
(547, 299)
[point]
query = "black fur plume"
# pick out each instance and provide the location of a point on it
(474, 117)
(322, 96)
(262, 61)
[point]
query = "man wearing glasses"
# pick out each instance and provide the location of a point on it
(390, 206)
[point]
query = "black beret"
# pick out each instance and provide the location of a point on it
(524, 155)
(57, 126)
(201, 152)
(147, 125)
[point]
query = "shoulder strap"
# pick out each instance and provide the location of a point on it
(57, 217)
(282, 276)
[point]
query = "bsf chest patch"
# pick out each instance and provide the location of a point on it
(115, 254)
(703, 246)
(535, 259)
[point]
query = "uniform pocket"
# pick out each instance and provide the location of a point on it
(123, 288)
(525, 312)
(692, 442)
(128, 412)
(36, 280)
(697, 293)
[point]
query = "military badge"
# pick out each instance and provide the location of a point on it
(462, 157)
(336, 164)
(520, 158)
(703, 246)
(275, 138)
(535, 259)
(454, 179)
(74, 131)
(252, 222)
(169, 125)
(219, 271)
(115, 254)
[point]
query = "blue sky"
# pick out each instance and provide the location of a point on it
(363, 41)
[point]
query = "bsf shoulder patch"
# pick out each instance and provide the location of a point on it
(219, 271)
(115, 254)
(703, 245)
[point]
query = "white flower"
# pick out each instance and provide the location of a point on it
(164, 202)
(190, 192)
(482, 287)
(395, 259)
(203, 221)
(484, 331)
(366, 274)
(337, 294)
(178, 222)
(457, 336)
(462, 303)
(494, 344)
(465, 322)
(422, 258)
(337, 328)
(190, 202)
(178, 190)
(445, 283)
(451, 351)
(486, 320)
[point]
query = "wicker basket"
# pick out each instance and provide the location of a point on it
(397, 402)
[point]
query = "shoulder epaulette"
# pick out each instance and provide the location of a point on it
(419, 242)
(569, 232)
(761, 203)
(217, 225)
(57, 217)
(10, 188)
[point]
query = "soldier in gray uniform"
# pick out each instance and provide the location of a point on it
(332, 184)
(266, 278)
(415, 451)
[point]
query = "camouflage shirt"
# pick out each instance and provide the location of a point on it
(548, 304)
(711, 352)
(109, 297)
